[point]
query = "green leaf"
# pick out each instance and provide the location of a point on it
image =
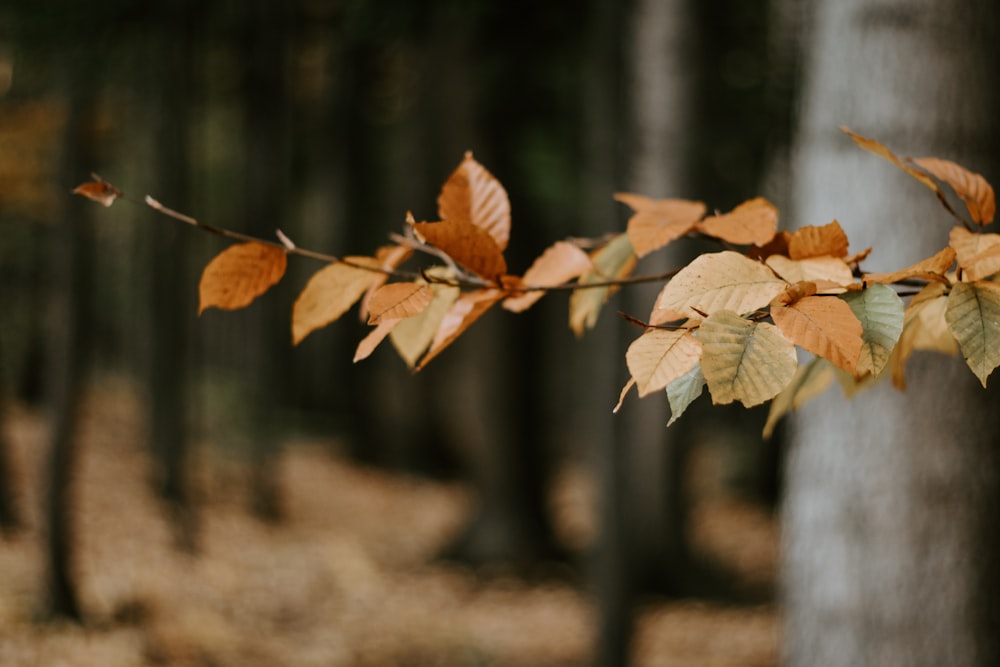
(973, 315)
(880, 311)
(613, 261)
(745, 361)
(683, 391)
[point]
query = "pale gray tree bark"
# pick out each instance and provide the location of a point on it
(889, 523)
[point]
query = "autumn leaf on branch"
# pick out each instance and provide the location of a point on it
(98, 190)
(613, 261)
(657, 222)
(978, 254)
(745, 361)
(825, 326)
(683, 391)
(974, 190)
(412, 336)
(924, 328)
(239, 274)
(720, 281)
(660, 356)
(474, 195)
(973, 315)
(831, 275)
(561, 262)
(467, 244)
(466, 309)
(330, 293)
(754, 222)
(880, 311)
(932, 268)
(389, 258)
(810, 380)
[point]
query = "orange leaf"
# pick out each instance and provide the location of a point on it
(239, 274)
(467, 244)
(825, 326)
(329, 293)
(467, 309)
(816, 241)
(932, 268)
(374, 337)
(831, 274)
(472, 194)
(978, 254)
(98, 190)
(390, 257)
(657, 222)
(561, 262)
(974, 190)
(660, 356)
(398, 301)
(753, 222)
(880, 150)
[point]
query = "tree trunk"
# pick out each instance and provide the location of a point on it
(10, 518)
(890, 516)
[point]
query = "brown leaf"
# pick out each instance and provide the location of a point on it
(467, 244)
(830, 274)
(825, 326)
(396, 301)
(978, 254)
(560, 263)
(473, 195)
(880, 150)
(329, 294)
(239, 274)
(753, 222)
(657, 222)
(932, 268)
(816, 241)
(98, 190)
(974, 190)
(389, 257)
(467, 309)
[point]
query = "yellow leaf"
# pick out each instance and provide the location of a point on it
(657, 222)
(467, 244)
(808, 382)
(467, 309)
(412, 336)
(660, 356)
(831, 274)
(560, 263)
(753, 222)
(973, 316)
(974, 190)
(978, 254)
(924, 328)
(720, 281)
(398, 300)
(817, 241)
(473, 195)
(239, 274)
(613, 261)
(932, 268)
(825, 326)
(329, 293)
(749, 362)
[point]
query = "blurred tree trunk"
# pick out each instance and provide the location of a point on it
(173, 49)
(10, 518)
(891, 551)
(67, 329)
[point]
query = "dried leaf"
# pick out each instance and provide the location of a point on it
(817, 241)
(924, 328)
(660, 356)
(830, 274)
(239, 274)
(473, 195)
(398, 301)
(560, 263)
(683, 391)
(467, 244)
(932, 268)
(329, 294)
(825, 326)
(973, 316)
(880, 311)
(753, 222)
(622, 394)
(657, 222)
(880, 150)
(375, 337)
(98, 190)
(720, 281)
(809, 381)
(978, 254)
(389, 258)
(613, 261)
(467, 309)
(413, 336)
(974, 190)
(749, 362)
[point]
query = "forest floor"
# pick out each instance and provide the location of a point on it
(348, 579)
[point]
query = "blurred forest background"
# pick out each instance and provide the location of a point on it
(194, 490)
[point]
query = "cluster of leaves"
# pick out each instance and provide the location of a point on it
(730, 320)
